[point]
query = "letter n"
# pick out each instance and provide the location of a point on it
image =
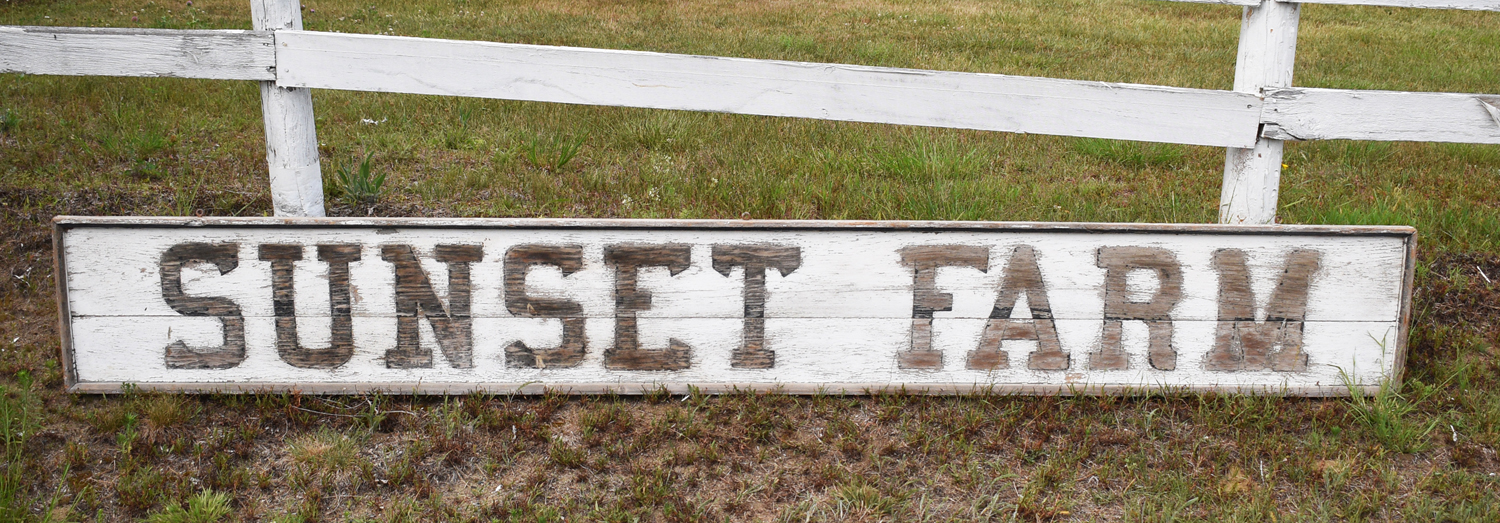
(415, 297)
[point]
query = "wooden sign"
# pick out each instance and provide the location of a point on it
(586, 306)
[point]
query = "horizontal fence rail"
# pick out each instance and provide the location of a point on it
(947, 99)
(766, 87)
(1251, 121)
(1470, 5)
(210, 54)
(1297, 113)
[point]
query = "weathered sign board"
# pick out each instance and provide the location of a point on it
(585, 306)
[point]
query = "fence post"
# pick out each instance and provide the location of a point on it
(1268, 48)
(291, 135)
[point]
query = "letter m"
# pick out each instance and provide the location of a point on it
(1243, 344)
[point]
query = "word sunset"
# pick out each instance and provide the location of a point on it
(448, 306)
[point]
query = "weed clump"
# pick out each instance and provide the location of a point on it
(9, 122)
(204, 507)
(552, 153)
(1386, 415)
(359, 186)
(18, 422)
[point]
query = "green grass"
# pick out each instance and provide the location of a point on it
(552, 154)
(358, 186)
(493, 158)
(1387, 415)
(18, 424)
(145, 146)
(204, 507)
(9, 121)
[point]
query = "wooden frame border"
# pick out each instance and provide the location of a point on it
(70, 222)
(64, 314)
(1398, 369)
(61, 224)
(682, 389)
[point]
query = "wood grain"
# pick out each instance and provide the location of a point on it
(225, 257)
(573, 224)
(291, 128)
(1471, 5)
(107, 51)
(766, 87)
(1304, 113)
(756, 260)
(1266, 55)
(518, 263)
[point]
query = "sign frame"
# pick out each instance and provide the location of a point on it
(64, 224)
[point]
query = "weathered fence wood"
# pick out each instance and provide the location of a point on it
(1252, 176)
(291, 130)
(1300, 113)
(765, 87)
(407, 305)
(1245, 3)
(1471, 5)
(211, 54)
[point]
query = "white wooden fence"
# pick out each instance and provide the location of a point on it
(1251, 121)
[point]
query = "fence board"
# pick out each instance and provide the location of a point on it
(766, 87)
(1300, 113)
(211, 54)
(1267, 52)
(1469, 5)
(291, 127)
(1472, 5)
(1246, 3)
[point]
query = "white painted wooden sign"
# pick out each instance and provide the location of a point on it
(449, 306)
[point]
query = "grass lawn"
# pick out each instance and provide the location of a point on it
(159, 146)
